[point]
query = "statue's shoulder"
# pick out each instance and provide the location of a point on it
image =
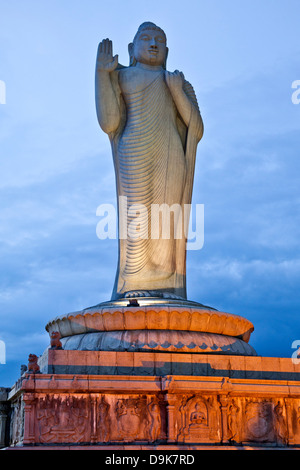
(190, 92)
(126, 72)
(131, 79)
(116, 76)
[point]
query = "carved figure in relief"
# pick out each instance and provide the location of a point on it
(194, 424)
(154, 125)
(233, 421)
(103, 421)
(155, 425)
(197, 416)
(281, 427)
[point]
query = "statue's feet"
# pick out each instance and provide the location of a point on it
(151, 293)
(169, 295)
(137, 293)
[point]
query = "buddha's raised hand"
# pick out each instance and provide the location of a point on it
(105, 60)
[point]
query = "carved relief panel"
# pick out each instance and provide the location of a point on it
(63, 418)
(136, 418)
(132, 419)
(97, 418)
(129, 418)
(113, 418)
(259, 425)
(17, 422)
(197, 419)
(292, 407)
(255, 420)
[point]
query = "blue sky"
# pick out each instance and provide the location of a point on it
(56, 166)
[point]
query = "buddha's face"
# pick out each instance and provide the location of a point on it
(150, 47)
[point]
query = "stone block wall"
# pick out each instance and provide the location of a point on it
(242, 407)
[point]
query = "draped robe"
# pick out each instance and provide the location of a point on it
(154, 158)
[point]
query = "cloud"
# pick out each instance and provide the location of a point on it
(56, 166)
(247, 176)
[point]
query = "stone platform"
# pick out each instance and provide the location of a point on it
(157, 400)
(154, 375)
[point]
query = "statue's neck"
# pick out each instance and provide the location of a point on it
(153, 68)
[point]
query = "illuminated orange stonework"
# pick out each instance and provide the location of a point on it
(155, 376)
(196, 400)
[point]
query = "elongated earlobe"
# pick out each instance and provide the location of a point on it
(132, 60)
(165, 62)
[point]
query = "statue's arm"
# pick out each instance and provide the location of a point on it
(184, 101)
(107, 106)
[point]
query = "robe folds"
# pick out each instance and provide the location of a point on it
(154, 157)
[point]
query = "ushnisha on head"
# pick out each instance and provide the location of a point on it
(149, 46)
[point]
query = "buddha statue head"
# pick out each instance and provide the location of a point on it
(149, 46)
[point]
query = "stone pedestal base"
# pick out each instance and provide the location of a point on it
(155, 375)
(154, 326)
(118, 400)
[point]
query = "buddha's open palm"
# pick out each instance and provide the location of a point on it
(105, 60)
